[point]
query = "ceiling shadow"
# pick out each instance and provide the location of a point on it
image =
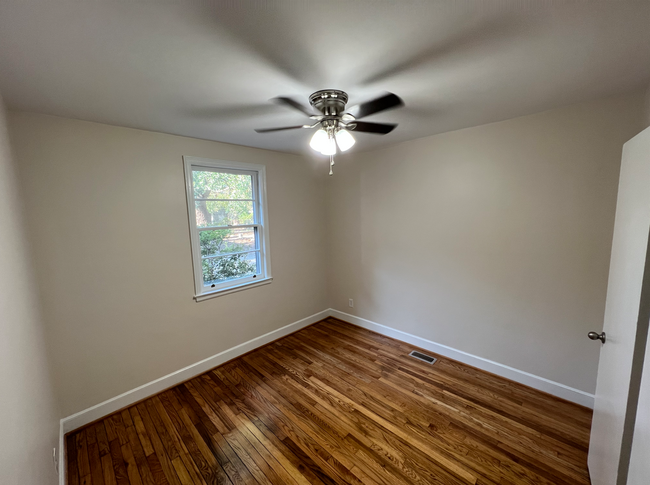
(241, 111)
(273, 34)
(461, 42)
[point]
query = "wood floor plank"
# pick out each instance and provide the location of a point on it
(93, 456)
(238, 440)
(265, 448)
(218, 446)
(337, 404)
(147, 447)
(377, 440)
(119, 428)
(175, 435)
(351, 408)
(71, 456)
(524, 395)
(131, 465)
(345, 415)
(140, 457)
(313, 441)
(307, 434)
(197, 442)
(244, 456)
(548, 424)
(330, 432)
(82, 455)
(119, 467)
(451, 447)
(361, 385)
(161, 455)
(105, 454)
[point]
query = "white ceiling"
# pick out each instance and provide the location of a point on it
(208, 68)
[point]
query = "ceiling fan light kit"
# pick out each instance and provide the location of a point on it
(323, 142)
(334, 123)
(344, 140)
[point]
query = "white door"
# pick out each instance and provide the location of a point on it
(621, 357)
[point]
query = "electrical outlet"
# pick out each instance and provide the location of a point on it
(351, 303)
(55, 460)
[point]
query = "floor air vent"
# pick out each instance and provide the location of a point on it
(423, 357)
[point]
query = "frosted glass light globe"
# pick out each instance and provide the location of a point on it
(344, 140)
(319, 140)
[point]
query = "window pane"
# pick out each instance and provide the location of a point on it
(216, 270)
(218, 185)
(227, 241)
(211, 213)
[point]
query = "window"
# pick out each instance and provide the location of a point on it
(228, 226)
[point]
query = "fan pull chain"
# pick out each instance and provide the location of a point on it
(331, 164)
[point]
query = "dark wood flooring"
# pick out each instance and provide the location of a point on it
(335, 403)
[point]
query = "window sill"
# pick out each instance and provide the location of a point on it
(232, 289)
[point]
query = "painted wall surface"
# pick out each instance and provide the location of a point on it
(494, 240)
(106, 212)
(29, 424)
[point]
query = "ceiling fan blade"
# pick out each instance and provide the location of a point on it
(376, 128)
(387, 101)
(292, 103)
(269, 130)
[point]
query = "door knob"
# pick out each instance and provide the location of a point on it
(597, 336)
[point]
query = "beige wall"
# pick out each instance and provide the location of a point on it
(29, 424)
(107, 215)
(493, 240)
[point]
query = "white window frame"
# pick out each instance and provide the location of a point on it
(201, 292)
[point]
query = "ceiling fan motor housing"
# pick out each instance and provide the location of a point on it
(330, 102)
(333, 118)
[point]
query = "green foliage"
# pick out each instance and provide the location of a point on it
(218, 185)
(216, 269)
(212, 241)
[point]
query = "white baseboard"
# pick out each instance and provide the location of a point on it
(139, 393)
(555, 388)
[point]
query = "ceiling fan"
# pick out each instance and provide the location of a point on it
(335, 123)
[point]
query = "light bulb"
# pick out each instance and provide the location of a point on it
(345, 140)
(329, 147)
(319, 140)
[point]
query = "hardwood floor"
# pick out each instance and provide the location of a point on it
(335, 403)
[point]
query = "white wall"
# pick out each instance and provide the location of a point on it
(493, 240)
(107, 214)
(28, 423)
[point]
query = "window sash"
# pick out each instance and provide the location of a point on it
(258, 183)
(218, 228)
(224, 200)
(225, 255)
